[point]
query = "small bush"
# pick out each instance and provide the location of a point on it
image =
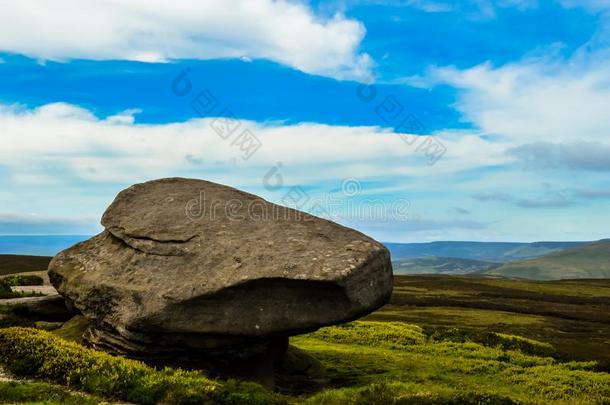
(491, 339)
(5, 287)
(6, 292)
(23, 280)
(35, 353)
(394, 334)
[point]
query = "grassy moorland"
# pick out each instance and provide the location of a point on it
(11, 264)
(572, 315)
(442, 340)
(385, 363)
(365, 362)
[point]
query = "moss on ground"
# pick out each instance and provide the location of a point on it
(24, 392)
(366, 364)
(34, 353)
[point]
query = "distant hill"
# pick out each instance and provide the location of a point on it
(19, 264)
(502, 252)
(441, 265)
(583, 262)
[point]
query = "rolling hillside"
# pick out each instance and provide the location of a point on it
(19, 264)
(441, 265)
(502, 252)
(584, 262)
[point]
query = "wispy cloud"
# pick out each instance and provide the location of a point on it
(550, 199)
(594, 193)
(459, 211)
(580, 156)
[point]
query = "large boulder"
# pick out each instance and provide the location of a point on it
(190, 266)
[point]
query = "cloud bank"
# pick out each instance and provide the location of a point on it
(62, 138)
(154, 30)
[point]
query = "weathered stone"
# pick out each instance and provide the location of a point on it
(47, 308)
(192, 266)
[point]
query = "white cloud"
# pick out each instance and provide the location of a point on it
(57, 154)
(592, 156)
(61, 160)
(73, 140)
(155, 30)
(539, 100)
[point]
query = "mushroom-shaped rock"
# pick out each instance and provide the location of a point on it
(188, 265)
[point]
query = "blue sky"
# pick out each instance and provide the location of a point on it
(410, 120)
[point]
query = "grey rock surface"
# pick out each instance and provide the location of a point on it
(48, 308)
(191, 264)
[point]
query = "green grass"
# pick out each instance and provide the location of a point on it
(442, 340)
(573, 316)
(22, 392)
(384, 368)
(35, 353)
(365, 362)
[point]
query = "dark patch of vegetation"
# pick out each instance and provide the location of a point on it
(6, 292)
(16, 392)
(9, 317)
(571, 315)
(10, 264)
(23, 280)
(490, 339)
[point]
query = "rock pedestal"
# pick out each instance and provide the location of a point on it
(189, 269)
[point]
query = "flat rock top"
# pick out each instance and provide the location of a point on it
(241, 235)
(170, 210)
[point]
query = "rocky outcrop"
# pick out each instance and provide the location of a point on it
(48, 308)
(196, 269)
